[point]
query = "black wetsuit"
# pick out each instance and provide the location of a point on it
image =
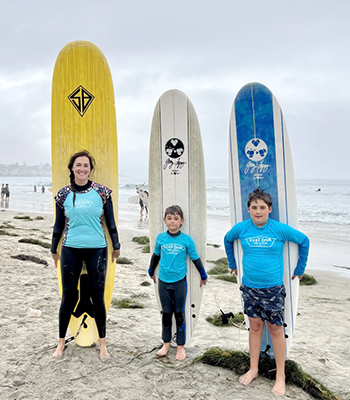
(172, 296)
(72, 260)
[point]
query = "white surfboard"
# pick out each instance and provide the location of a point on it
(134, 200)
(260, 156)
(177, 176)
(143, 195)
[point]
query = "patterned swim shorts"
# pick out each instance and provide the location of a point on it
(266, 304)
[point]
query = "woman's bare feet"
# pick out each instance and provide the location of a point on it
(104, 355)
(59, 349)
(247, 378)
(180, 353)
(164, 350)
(280, 386)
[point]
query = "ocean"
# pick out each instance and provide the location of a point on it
(323, 206)
(319, 201)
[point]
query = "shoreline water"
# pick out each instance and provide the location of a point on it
(324, 215)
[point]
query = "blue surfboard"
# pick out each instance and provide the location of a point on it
(260, 156)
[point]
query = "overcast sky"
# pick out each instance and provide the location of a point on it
(208, 49)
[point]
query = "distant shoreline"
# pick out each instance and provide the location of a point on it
(24, 170)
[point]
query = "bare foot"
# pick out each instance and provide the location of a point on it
(247, 378)
(280, 386)
(104, 355)
(164, 350)
(180, 353)
(59, 349)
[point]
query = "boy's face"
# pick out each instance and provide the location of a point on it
(173, 222)
(259, 212)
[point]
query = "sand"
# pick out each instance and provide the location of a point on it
(28, 371)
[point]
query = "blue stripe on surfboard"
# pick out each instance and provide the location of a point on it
(254, 121)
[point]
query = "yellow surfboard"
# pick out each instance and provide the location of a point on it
(83, 117)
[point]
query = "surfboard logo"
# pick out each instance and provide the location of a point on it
(81, 99)
(174, 149)
(256, 150)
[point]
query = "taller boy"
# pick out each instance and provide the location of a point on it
(262, 287)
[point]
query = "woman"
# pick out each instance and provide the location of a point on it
(80, 207)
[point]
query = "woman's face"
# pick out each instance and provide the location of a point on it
(81, 169)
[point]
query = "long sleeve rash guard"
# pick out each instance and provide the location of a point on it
(171, 253)
(82, 222)
(263, 251)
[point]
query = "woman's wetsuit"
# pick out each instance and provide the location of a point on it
(79, 214)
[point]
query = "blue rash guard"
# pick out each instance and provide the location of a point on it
(263, 251)
(173, 252)
(82, 223)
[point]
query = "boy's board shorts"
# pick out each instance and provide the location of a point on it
(266, 304)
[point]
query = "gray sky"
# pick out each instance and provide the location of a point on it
(208, 49)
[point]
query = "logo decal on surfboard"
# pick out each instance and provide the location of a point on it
(256, 150)
(174, 149)
(81, 99)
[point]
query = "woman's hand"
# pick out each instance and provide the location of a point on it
(56, 257)
(115, 255)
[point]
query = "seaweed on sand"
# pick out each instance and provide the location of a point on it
(123, 260)
(217, 319)
(227, 277)
(24, 257)
(221, 267)
(37, 242)
(308, 280)
(25, 217)
(130, 302)
(143, 240)
(238, 362)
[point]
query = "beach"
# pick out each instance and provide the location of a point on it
(28, 371)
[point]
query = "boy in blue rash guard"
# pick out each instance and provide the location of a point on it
(170, 252)
(262, 240)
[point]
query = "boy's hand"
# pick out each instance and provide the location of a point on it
(203, 282)
(154, 279)
(299, 276)
(233, 271)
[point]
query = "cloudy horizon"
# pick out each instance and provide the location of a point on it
(207, 49)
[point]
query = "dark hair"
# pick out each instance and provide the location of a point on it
(73, 157)
(259, 194)
(173, 210)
